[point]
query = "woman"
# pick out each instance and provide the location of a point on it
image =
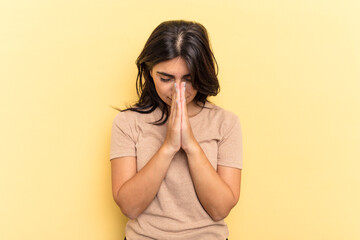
(176, 158)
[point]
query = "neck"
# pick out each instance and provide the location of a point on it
(193, 109)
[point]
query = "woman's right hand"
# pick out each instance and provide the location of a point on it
(172, 140)
(134, 190)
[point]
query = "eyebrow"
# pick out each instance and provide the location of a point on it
(172, 76)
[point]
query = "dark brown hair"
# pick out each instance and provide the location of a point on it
(169, 40)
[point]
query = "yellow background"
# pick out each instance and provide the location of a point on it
(289, 69)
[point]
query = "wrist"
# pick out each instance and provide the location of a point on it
(193, 149)
(168, 151)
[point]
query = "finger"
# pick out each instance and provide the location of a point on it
(183, 103)
(183, 90)
(177, 120)
(173, 106)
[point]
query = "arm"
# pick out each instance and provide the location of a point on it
(133, 191)
(218, 191)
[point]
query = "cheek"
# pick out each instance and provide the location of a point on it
(163, 89)
(190, 90)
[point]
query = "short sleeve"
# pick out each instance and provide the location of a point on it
(230, 150)
(122, 142)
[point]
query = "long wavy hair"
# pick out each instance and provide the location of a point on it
(169, 40)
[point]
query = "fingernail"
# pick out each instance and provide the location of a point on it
(185, 84)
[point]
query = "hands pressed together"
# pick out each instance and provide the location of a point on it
(217, 189)
(179, 133)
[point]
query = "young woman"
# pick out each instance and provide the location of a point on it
(176, 158)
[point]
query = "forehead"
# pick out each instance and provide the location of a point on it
(175, 66)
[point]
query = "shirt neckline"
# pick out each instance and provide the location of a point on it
(207, 105)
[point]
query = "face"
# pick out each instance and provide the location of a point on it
(166, 73)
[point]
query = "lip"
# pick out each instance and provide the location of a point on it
(171, 98)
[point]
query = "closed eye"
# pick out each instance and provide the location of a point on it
(165, 79)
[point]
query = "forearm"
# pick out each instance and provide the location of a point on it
(138, 192)
(214, 194)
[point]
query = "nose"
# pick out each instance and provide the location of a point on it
(179, 81)
(178, 84)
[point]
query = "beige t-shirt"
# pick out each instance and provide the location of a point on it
(176, 213)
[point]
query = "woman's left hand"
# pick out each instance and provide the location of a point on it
(217, 190)
(188, 141)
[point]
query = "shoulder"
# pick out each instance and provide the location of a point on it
(219, 114)
(220, 120)
(125, 115)
(122, 119)
(133, 118)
